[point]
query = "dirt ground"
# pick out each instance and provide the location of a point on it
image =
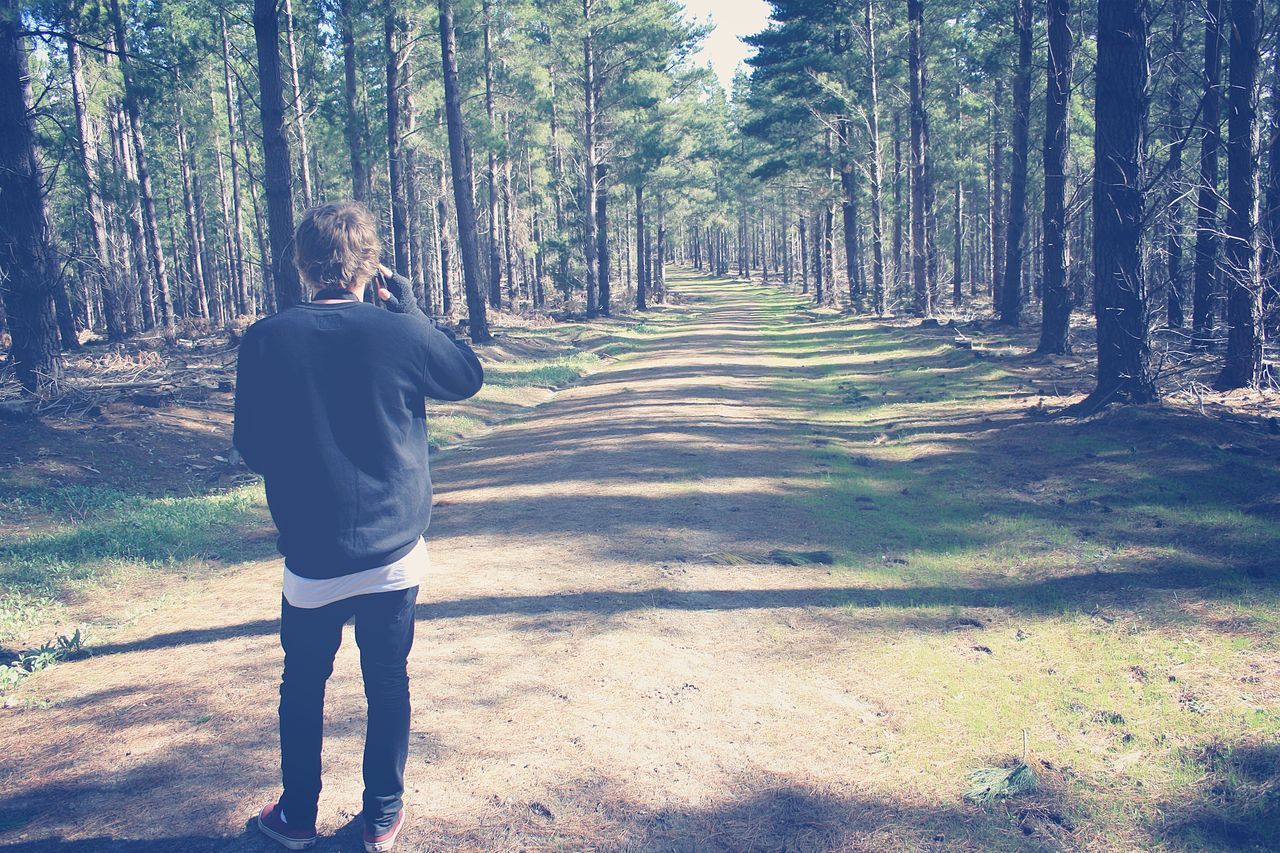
(597, 665)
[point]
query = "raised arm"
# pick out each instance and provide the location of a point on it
(451, 370)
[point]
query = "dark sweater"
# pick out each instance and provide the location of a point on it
(330, 410)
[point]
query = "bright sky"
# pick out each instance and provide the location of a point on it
(732, 19)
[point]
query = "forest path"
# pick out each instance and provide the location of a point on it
(593, 664)
(611, 653)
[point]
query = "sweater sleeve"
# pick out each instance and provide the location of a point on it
(451, 370)
(252, 406)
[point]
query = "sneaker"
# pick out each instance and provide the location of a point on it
(291, 837)
(384, 840)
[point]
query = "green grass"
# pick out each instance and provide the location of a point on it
(82, 535)
(555, 373)
(135, 531)
(1122, 595)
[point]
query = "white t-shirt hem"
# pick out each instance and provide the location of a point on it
(407, 572)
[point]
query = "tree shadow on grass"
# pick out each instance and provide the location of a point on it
(1234, 805)
(775, 815)
(1029, 597)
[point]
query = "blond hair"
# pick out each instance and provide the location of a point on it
(337, 245)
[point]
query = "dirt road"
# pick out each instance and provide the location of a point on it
(604, 660)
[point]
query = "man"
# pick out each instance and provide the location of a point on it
(330, 410)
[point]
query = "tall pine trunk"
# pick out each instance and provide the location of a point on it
(602, 239)
(508, 238)
(803, 230)
(849, 216)
(1176, 285)
(1205, 293)
(199, 298)
(299, 118)
(642, 301)
(276, 170)
(393, 30)
(997, 193)
(897, 199)
(460, 165)
(957, 248)
(443, 245)
(87, 147)
(353, 128)
(423, 271)
(27, 261)
(140, 303)
(1055, 322)
(922, 294)
(151, 230)
(1244, 365)
(589, 247)
(1120, 108)
(1011, 292)
(494, 265)
(876, 171)
(240, 287)
(1271, 265)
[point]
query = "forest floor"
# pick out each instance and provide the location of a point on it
(767, 579)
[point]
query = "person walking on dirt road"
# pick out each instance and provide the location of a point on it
(330, 411)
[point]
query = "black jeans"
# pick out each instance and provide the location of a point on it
(310, 637)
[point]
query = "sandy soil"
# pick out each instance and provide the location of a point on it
(583, 675)
(590, 671)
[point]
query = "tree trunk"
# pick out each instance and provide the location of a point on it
(494, 266)
(641, 280)
(589, 157)
(1271, 266)
(539, 258)
(1205, 295)
(602, 239)
(264, 254)
(1173, 204)
(26, 262)
(442, 242)
(508, 239)
(802, 227)
(897, 199)
(849, 215)
(423, 271)
(877, 167)
(354, 128)
(819, 257)
(299, 119)
(1244, 365)
(922, 294)
(1011, 293)
(240, 288)
(393, 30)
(786, 254)
(87, 147)
(997, 192)
(957, 249)
(1055, 304)
(151, 230)
(140, 304)
(276, 170)
(464, 202)
(220, 298)
(1120, 305)
(196, 249)
(659, 271)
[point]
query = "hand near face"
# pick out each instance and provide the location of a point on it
(384, 275)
